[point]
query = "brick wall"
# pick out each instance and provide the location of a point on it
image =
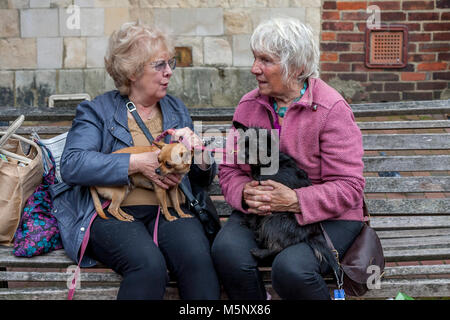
(427, 73)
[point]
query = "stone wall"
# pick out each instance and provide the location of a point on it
(44, 52)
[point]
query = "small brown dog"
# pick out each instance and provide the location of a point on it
(173, 158)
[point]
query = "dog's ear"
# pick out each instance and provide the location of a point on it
(159, 144)
(239, 125)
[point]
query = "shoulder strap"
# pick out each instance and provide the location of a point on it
(132, 108)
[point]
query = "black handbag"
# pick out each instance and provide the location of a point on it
(201, 205)
(199, 202)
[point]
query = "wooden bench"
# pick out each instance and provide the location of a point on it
(407, 166)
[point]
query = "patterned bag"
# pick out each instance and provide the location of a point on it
(38, 231)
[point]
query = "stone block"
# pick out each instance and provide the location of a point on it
(145, 15)
(39, 23)
(313, 19)
(108, 83)
(84, 3)
(16, 53)
(115, 3)
(176, 87)
(217, 51)
(234, 83)
(114, 18)
(198, 86)
(70, 81)
(92, 21)
(45, 81)
(95, 52)
(25, 88)
(307, 3)
(49, 53)
(39, 3)
(17, 4)
(196, 43)
(69, 22)
(94, 82)
(74, 52)
(60, 3)
(242, 54)
(209, 21)
(6, 88)
(9, 23)
(262, 14)
(237, 21)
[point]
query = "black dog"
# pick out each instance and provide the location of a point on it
(280, 230)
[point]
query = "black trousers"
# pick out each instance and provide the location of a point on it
(296, 272)
(128, 249)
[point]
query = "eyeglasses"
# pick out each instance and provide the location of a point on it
(161, 65)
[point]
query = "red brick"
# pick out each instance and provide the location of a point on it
(441, 75)
(445, 16)
(335, 67)
(329, 56)
(432, 66)
(360, 67)
(418, 96)
(398, 86)
(352, 57)
(329, 5)
(350, 37)
(344, 5)
(330, 15)
(422, 57)
(444, 26)
(441, 36)
(419, 37)
(412, 76)
(434, 47)
(383, 77)
(327, 76)
(328, 36)
(412, 16)
(412, 26)
(387, 5)
(442, 4)
(352, 15)
(393, 16)
(334, 47)
(418, 5)
(361, 77)
(357, 47)
(384, 96)
(444, 56)
(338, 26)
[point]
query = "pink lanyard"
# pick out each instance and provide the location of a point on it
(85, 243)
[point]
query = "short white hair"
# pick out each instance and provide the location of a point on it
(292, 42)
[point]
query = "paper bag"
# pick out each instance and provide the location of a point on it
(17, 183)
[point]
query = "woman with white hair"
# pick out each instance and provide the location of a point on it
(317, 128)
(141, 61)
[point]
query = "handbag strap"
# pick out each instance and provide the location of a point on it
(132, 108)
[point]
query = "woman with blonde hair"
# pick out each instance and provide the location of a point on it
(140, 59)
(317, 129)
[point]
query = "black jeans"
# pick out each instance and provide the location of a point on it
(128, 249)
(296, 272)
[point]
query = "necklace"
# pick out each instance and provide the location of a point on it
(282, 111)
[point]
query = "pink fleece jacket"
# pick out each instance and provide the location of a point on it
(320, 133)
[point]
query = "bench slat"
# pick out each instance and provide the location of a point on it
(223, 114)
(437, 141)
(386, 185)
(381, 206)
(414, 233)
(210, 128)
(416, 243)
(407, 163)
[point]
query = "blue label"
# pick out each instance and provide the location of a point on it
(339, 294)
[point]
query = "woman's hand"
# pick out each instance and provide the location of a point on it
(146, 163)
(269, 196)
(192, 142)
(257, 198)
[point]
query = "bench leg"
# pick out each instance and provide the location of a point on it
(3, 284)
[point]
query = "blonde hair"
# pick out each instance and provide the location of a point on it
(130, 48)
(292, 42)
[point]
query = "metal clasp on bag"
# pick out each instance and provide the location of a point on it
(132, 108)
(336, 254)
